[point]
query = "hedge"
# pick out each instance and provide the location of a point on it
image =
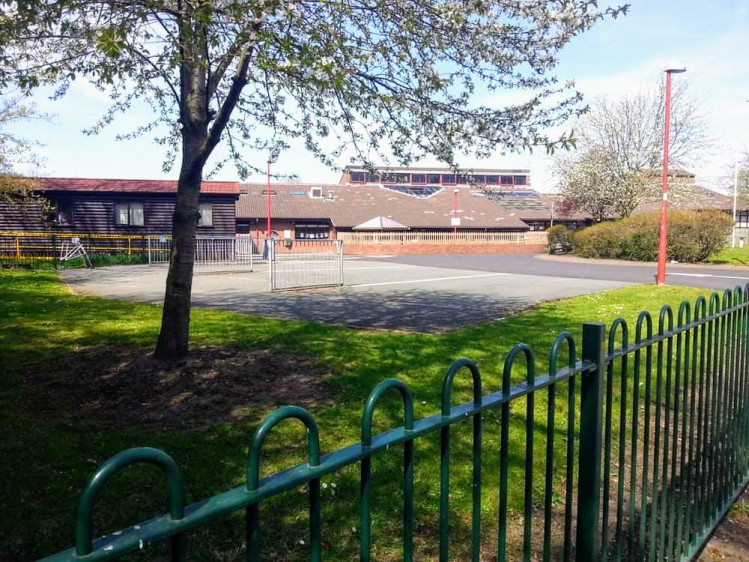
(692, 237)
(559, 239)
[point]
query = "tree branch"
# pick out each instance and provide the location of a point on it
(224, 114)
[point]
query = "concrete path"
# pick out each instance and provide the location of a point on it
(379, 293)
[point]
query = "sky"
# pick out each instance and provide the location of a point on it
(616, 57)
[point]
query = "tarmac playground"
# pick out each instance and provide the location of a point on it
(377, 293)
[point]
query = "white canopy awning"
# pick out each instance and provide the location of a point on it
(381, 223)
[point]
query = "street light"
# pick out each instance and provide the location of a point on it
(735, 196)
(267, 203)
(663, 239)
(455, 211)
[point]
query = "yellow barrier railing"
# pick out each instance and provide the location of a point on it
(87, 235)
(23, 246)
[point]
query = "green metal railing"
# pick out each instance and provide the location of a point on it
(661, 430)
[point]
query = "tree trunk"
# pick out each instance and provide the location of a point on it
(173, 342)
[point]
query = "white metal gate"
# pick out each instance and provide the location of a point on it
(216, 253)
(299, 264)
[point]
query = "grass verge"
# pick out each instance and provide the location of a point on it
(50, 446)
(731, 256)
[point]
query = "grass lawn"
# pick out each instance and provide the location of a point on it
(731, 256)
(77, 387)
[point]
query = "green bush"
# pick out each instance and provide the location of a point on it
(692, 237)
(559, 239)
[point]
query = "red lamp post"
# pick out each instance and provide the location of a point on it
(267, 204)
(663, 238)
(455, 210)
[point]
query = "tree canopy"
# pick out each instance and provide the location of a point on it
(376, 77)
(620, 150)
(16, 152)
(740, 177)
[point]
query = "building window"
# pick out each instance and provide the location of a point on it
(492, 180)
(402, 178)
(506, 180)
(478, 179)
(311, 231)
(520, 180)
(315, 192)
(64, 212)
(359, 177)
(128, 214)
(448, 179)
(742, 219)
(418, 178)
(205, 218)
(536, 225)
(433, 178)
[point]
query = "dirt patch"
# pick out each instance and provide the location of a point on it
(731, 539)
(120, 388)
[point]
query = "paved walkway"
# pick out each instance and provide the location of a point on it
(378, 294)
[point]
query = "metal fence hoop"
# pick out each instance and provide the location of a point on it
(447, 383)
(685, 314)
(727, 299)
(366, 467)
(286, 412)
(530, 361)
(665, 314)
(615, 325)
(253, 478)
(371, 403)
(643, 318)
(138, 455)
(562, 337)
(700, 308)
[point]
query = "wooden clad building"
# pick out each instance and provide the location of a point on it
(127, 207)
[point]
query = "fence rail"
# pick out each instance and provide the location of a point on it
(299, 264)
(738, 238)
(673, 424)
(441, 238)
(33, 248)
(210, 253)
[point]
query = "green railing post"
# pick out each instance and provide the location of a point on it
(589, 475)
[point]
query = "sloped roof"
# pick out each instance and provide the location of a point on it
(690, 196)
(536, 206)
(350, 205)
(101, 185)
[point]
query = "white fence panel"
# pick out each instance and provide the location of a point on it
(214, 253)
(299, 264)
(466, 238)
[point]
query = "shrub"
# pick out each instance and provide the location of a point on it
(692, 237)
(559, 239)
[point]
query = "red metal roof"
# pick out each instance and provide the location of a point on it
(131, 186)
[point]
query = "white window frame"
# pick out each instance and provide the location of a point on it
(132, 207)
(205, 209)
